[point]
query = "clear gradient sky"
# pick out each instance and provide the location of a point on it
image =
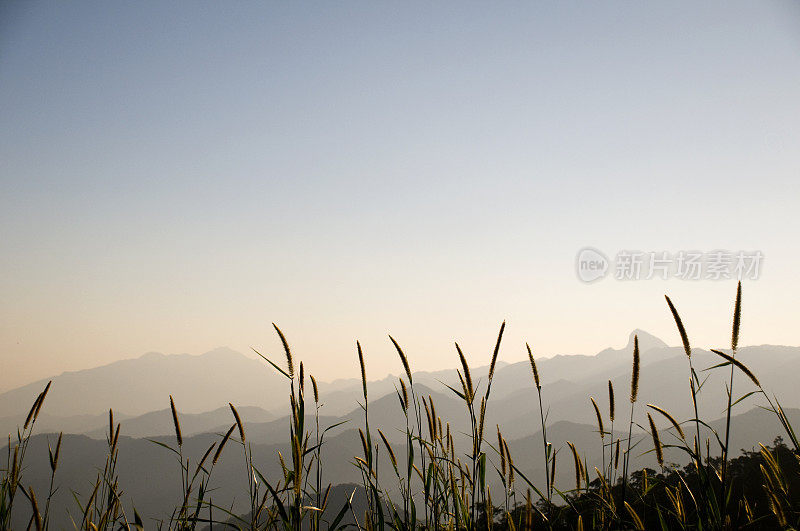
(176, 175)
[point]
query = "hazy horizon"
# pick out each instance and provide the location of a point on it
(176, 179)
(448, 363)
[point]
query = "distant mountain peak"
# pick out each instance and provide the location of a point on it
(216, 353)
(647, 341)
(222, 352)
(138, 385)
(152, 356)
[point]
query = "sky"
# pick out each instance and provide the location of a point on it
(175, 176)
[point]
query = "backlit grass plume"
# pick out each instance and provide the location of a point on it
(681, 329)
(403, 360)
(238, 421)
(656, 441)
(534, 369)
(496, 351)
(611, 403)
(175, 421)
(599, 417)
(314, 388)
(363, 369)
(670, 418)
(286, 350)
(467, 375)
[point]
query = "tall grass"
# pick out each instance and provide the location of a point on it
(435, 483)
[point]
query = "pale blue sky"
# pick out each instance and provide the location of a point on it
(177, 175)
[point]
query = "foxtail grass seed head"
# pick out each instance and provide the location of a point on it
(467, 375)
(451, 443)
(428, 417)
(36, 406)
(238, 421)
(432, 418)
(110, 437)
(31, 411)
(584, 472)
(496, 351)
(315, 389)
(670, 418)
(404, 394)
(533, 368)
(54, 455)
(635, 370)
(363, 369)
(14, 466)
(205, 456)
(737, 318)
(223, 443)
(681, 330)
(599, 418)
(656, 441)
(577, 459)
(502, 450)
(175, 421)
(611, 401)
(41, 399)
(637, 522)
(389, 449)
(403, 360)
(286, 350)
(37, 518)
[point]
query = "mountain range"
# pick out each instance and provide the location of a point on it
(138, 390)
